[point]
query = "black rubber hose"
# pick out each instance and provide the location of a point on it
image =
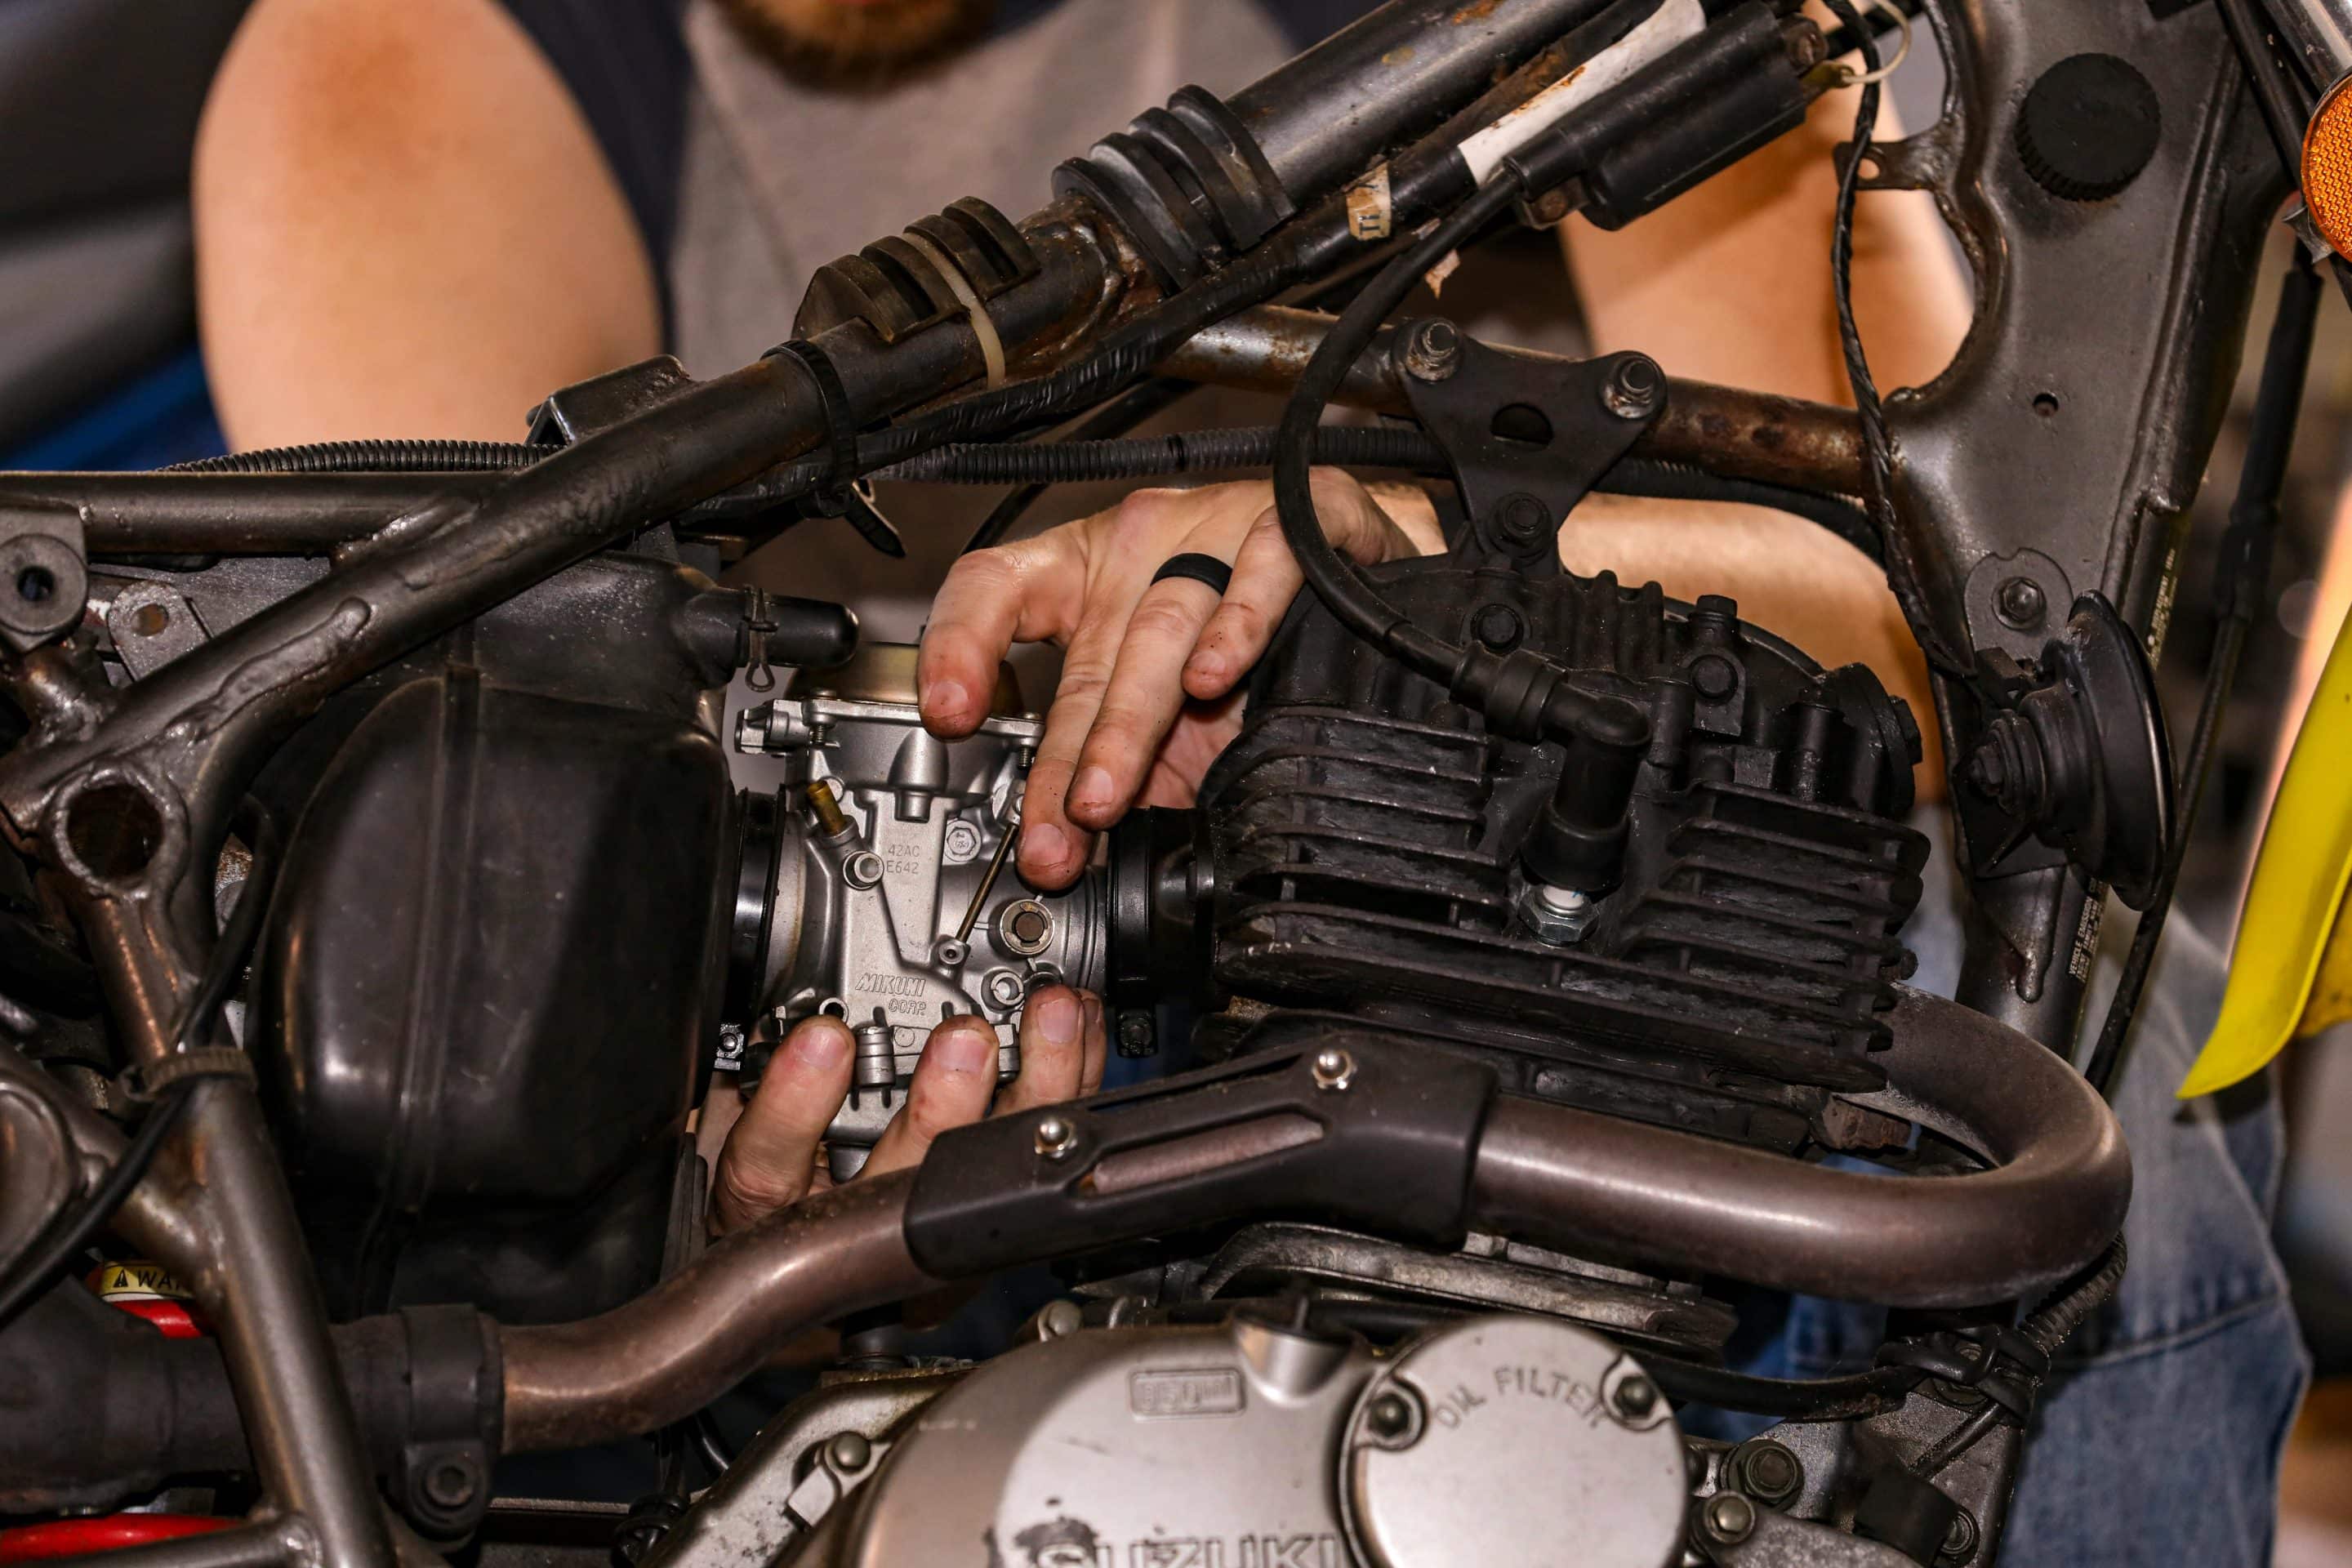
(1116, 417)
(1078, 462)
(1080, 459)
(372, 458)
(2238, 590)
(1847, 1398)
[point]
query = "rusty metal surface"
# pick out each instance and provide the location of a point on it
(1725, 430)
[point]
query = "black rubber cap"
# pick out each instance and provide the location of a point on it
(2088, 127)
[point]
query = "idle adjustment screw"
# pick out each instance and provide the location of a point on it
(1057, 1137)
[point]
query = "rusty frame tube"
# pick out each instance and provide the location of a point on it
(1725, 430)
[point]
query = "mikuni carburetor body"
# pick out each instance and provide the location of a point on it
(877, 882)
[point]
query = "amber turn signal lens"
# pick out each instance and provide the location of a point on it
(2327, 167)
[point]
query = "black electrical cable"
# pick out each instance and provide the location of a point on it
(2240, 583)
(1353, 600)
(2047, 1327)
(2284, 102)
(1081, 460)
(1903, 575)
(1847, 1398)
(72, 1231)
(424, 456)
(1116, 417)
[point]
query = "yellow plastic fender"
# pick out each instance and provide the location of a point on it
(2291, 971)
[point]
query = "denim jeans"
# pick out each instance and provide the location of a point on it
(2158, 1438)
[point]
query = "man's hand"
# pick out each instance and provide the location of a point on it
(1147, 697)
(771, 1158)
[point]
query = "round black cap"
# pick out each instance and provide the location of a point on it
(2088, 127)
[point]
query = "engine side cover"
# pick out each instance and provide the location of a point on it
(1249, 1445)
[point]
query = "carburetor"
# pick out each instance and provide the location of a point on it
(876, 884)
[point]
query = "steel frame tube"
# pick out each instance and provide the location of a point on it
(2055, 1195)
(1725, 430)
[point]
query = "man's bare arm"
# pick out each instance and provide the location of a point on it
(405, 228)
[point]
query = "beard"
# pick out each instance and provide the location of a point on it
(859, 44)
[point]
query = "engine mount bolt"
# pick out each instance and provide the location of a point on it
(1057, 1137)
(1768, 1469)
(2020, 604)
(1633, 390)
(1727, 1518)
(1333, 1069)
(849, 1451)
(863, 870)
(1522, 521)
(1434, 351)
(1636, 1397)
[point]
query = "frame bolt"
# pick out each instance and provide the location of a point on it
(1333, 1069)
(1057, 1137)
(2019, 604)
(1522, 521)
(1434, 351)
(1727, 1518)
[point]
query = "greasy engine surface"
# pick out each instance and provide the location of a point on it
(1365, 839)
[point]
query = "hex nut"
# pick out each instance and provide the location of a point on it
(961, 845)
(1636, 1396)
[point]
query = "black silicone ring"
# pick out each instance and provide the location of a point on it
(1199, 568)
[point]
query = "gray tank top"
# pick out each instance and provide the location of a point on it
(781, 177)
